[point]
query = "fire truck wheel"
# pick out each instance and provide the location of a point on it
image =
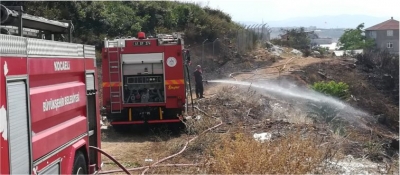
(79, 164)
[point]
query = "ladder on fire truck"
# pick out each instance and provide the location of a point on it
(114, 73)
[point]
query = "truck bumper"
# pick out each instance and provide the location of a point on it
(142, 122)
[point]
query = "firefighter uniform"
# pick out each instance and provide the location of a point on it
(198, 78)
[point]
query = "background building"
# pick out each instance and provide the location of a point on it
(385, 35)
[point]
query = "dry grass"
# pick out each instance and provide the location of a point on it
(392, 167)
(290, 154)
(199, 124)
(241, 154)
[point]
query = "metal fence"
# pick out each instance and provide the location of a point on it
(240, 41)
(211, 53)
(249, 36)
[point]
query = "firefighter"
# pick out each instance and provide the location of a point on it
(198, 78)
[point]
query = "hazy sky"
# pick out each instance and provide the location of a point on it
(275, 10)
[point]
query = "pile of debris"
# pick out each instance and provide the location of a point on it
(277, 51)
(274, 49)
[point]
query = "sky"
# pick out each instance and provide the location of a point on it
(277, 10)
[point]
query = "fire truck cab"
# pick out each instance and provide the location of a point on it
(144, 79)
(49, 115)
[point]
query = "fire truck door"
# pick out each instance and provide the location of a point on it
(91, 115)
(19, 128)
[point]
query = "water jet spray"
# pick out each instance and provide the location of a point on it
(275, 89)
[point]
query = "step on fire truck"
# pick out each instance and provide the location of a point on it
(144, 80)
(49, 115)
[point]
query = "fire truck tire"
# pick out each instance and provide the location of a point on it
(80, 166)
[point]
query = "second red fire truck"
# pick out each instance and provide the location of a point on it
(144, 79)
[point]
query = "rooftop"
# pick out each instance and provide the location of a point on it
(390, 24)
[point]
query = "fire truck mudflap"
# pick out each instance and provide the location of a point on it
(143, 79)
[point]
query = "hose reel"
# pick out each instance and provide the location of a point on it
(7, 16)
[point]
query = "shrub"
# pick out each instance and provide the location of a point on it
(295, 38)
(306, 52)
(340, 90)
(276, 41)
(321, 50)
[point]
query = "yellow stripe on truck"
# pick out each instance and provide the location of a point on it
(173, 82)
(159, 109)
(112, 84)
(130, 114)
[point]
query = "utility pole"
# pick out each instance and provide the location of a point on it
(213, 45)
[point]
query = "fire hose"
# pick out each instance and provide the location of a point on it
(146, 168)
(191, 140)
(110, 157)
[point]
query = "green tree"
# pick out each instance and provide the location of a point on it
(95, 20)
(296, 38)
(354, 39)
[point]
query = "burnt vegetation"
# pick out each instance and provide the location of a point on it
(382, 69)
(385, 67)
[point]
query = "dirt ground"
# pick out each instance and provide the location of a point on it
(247, 111)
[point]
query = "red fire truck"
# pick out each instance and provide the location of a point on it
(144, 79)
(48, 101)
